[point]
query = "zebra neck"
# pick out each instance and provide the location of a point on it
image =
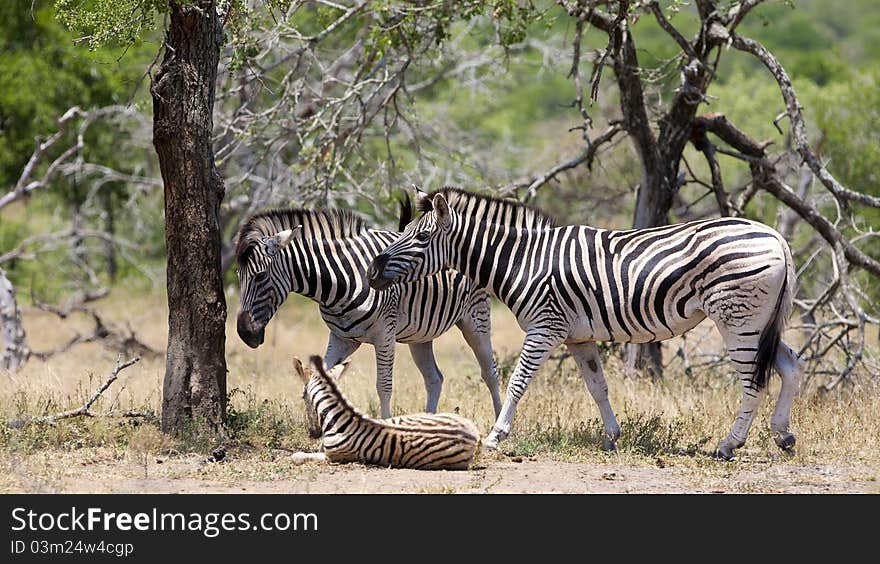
(334, 411)
(332, 272)
(490, 254)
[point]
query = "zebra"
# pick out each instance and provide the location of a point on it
(576, 285)
(323, 254)
(422, 441)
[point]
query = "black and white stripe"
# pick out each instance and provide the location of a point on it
(324, 255)
(423, 441)
(575, 284)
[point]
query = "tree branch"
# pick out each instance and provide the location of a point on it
(534, 183)
(798, 128)
(83, 410)
(764, 175)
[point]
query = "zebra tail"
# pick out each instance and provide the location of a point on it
(768, 342)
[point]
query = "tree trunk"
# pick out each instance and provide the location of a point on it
(657, 186)
(653, 202)
(194, 392)
(15, 350)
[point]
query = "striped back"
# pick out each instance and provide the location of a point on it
(424, 441)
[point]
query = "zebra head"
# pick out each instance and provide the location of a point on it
(318, 387)
(261, 293)
(421, 250)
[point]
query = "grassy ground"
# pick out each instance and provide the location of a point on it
(669, 427)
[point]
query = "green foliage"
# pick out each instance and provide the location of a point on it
(43, 75)
(109, 21)
(848, 115)
(264, 424)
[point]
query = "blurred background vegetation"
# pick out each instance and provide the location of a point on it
(511, 116)
(501, 110)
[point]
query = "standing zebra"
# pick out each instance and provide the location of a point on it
(576, 285)
(324, 255)
(423, 441)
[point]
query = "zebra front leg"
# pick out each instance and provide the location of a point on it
(790, 368)
(338, 349)
(477, 335)
(423, 355)
(586, 355)
(536, 349)
(384, 370)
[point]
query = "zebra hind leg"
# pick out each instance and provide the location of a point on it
(384, 370)
(423, 355)
(586, 355)
(743, 350)
(790, 368)
(303, 457)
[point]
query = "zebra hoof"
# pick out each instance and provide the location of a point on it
(785, 441)
(725, 451)
(491, 442)
(609, 444)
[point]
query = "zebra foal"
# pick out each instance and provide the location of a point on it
(422, 441)
(575, 284)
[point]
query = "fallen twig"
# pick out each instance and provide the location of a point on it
(83, 410)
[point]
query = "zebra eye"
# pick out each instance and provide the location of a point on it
(423, 236)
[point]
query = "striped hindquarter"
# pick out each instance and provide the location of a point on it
(423, 441)
(575, 284)
(324, 255)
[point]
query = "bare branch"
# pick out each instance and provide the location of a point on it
(674, 33)
(113, 338)
(83, 410)
(798, 127)
(764, 175)
(25, 185)
(536, 182)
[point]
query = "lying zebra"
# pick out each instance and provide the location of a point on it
(423, 441)
(324, 254)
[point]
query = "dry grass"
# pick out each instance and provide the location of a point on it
(676, 422)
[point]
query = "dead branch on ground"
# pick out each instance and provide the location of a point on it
(84, 409)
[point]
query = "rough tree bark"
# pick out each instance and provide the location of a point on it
(194, 391)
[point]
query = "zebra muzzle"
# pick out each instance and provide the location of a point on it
(248, 331)
(376, 275)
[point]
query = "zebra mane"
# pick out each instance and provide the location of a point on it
(339, 223)
(459, 200)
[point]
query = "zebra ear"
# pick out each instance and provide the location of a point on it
(339, 370)
(283, 238)
(300, 370)
(441, 208)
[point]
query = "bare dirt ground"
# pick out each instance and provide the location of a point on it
(96, 473)
(668, 426)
